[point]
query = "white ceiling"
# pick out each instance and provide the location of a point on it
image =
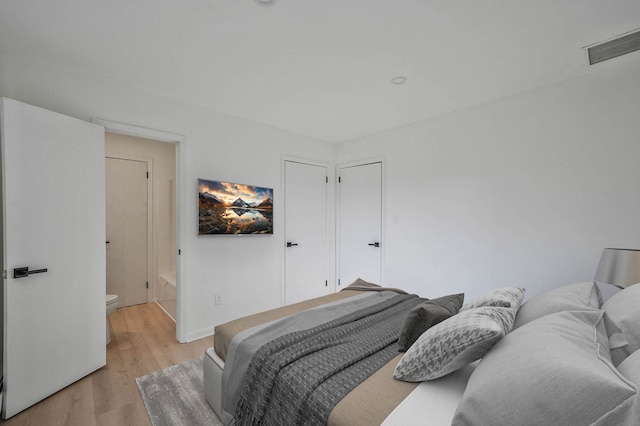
(320, 68)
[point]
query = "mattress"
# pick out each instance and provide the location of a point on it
(380, 399)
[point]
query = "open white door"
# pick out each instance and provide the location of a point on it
(53, 203)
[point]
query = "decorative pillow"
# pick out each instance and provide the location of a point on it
(551, 371)
(507, 297)
(573, 297)
(454, 343)
(630, 368)
(623, 322)
(426, 315)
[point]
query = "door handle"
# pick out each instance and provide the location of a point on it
(290, 244)
(24, 272)
(376, 244)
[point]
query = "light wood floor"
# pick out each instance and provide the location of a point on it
(143, 340)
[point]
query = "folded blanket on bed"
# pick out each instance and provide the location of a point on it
(362, 285)
(298, 378)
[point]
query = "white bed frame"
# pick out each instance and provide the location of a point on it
(212, 381)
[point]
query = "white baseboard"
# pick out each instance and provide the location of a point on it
(199, 334)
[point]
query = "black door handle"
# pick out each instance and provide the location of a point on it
(24, 272)
(290, 244)
(376, 244)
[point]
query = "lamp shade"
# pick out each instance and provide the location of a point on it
(620, 267)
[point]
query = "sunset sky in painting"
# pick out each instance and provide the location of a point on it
(229, 192)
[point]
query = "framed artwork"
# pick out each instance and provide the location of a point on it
(233, 208)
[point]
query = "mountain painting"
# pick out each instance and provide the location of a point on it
(233, 208)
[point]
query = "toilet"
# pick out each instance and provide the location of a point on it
(112, 304)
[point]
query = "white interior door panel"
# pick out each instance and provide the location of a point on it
(306, 231)
(53, 203)
(127, 224)
(360, 223)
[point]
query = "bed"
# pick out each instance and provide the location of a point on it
(563, 357)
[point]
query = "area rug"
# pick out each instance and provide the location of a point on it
(175, 396)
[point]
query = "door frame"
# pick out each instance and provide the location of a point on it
(330, 219)
(383, 188)
(180, 208)
(150, 248)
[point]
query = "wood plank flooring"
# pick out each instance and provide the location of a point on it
(143, 340)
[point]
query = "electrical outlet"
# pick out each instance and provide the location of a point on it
(217, 299)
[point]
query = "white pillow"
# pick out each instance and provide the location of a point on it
(552, 371)
(506, 297)
(623, 322)
(573, 297)
(630, 368)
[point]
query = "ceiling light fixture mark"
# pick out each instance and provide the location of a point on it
(266, 2)
(399, 80)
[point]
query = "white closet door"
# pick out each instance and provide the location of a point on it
(306, 231)
(53, 204)
(360, 223)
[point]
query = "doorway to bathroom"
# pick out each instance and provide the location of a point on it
(141, 220)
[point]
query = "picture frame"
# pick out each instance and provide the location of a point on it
(228, 208)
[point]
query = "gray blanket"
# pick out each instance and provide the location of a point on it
(245, 344)
(298, 378)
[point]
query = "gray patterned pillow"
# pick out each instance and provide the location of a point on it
(505, 297)
(454, 343)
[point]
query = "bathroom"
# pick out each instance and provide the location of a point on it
(141, 242)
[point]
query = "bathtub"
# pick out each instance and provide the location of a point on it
(166, 293)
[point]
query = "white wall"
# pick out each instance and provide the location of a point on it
(525, 191)
(247, 270)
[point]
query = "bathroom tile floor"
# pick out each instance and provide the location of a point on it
(143, 340)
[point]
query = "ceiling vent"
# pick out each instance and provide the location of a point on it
(612, 49)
